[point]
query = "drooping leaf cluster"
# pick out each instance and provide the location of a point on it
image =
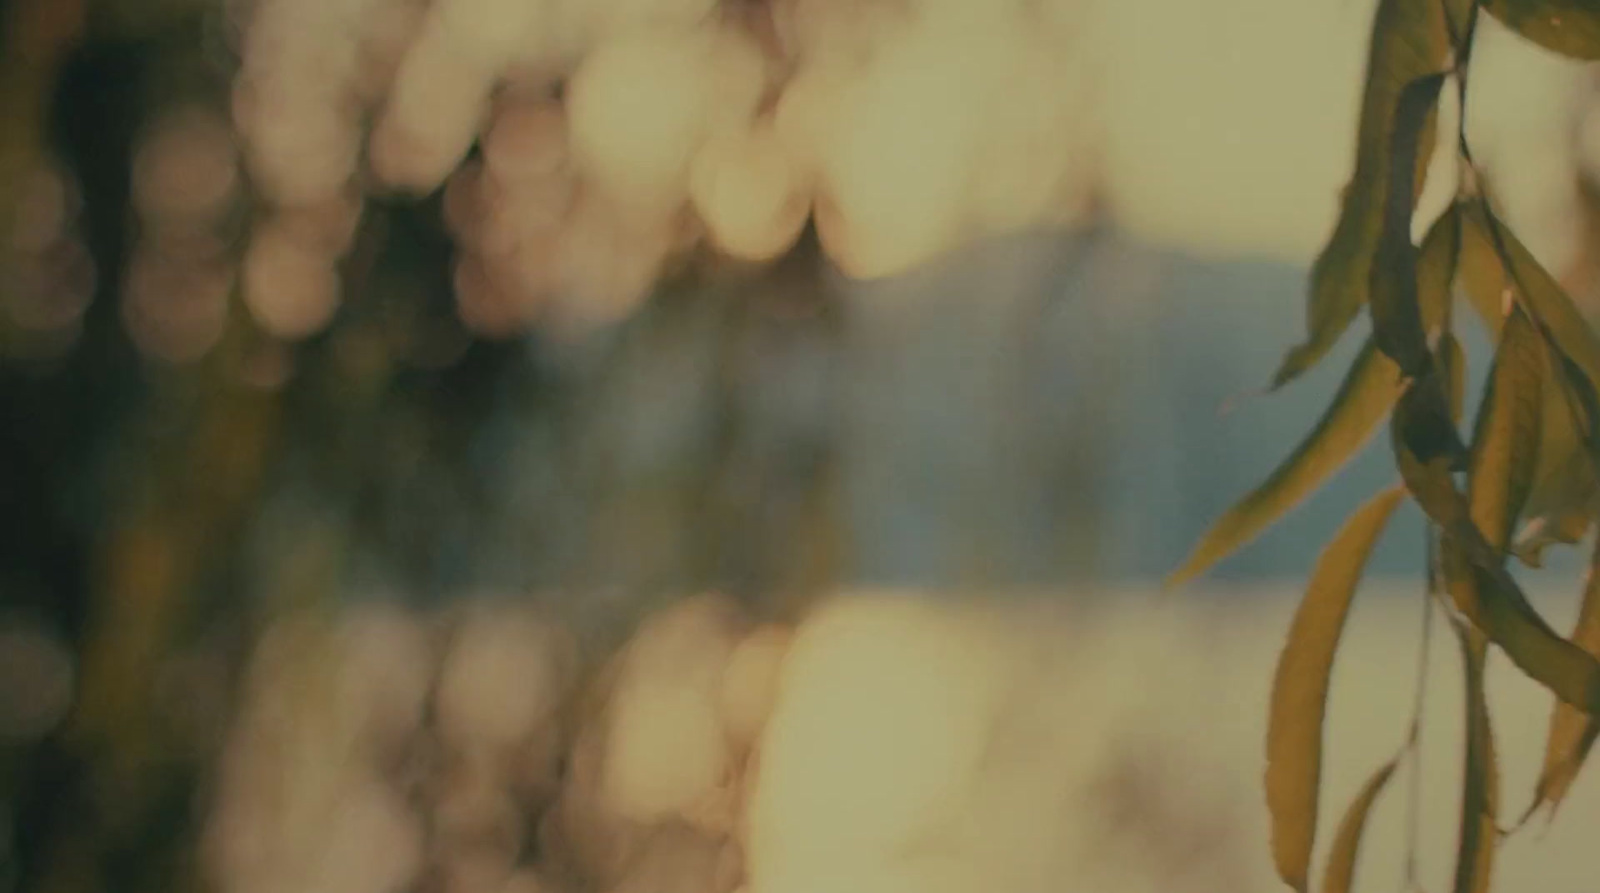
(1525, 480)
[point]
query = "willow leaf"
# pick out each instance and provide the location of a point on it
(1504, 613)
(1568, 27)
(1481, 274)
(1409, 40)
(1487, 594)
(1480, 784)
(1566, 526)
(1366, 396)
(1572, 732)
(1369, 390)
(1397, 326)
(1454, 362)
(1565, 490)
(1341, 867)
(1505, 444)
(1437, 259)
(1557, 317)
(1417, 415)
(1569, 672)
(1300, 687)
(1562, 498)
(1424, 423)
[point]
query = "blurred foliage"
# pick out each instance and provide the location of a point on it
(159, 512)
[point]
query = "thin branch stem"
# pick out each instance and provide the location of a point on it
(1412, 749)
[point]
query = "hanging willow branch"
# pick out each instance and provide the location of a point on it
(1534, 453)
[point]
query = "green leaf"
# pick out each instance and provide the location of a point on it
(1480, 786)
(1568, 27)
(1369, 390)
(1505, 445)
(1341, 867)
(1300, 686)
(1572, 732)
(1409, 40)
(1397, 326)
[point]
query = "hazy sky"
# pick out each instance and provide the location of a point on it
(1231, 126)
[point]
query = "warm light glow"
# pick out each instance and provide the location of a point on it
(291, 287)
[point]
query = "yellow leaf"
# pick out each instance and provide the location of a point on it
(1482, 275)
(1505, 445)
(1480, 785)
(1369, 390)
(1572, 732)
(1436, 268)
(1300, 687)
(1501, 609)
(1341, 867)
(1564, 490)
(1510, 621)
(1548, 302)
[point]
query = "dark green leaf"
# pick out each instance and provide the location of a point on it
(1300, 687)
(1397, 325)
(1480, 788)
(1409, 40)
(1368, 392)
(1341, 868)
(1413, 432)
(1424, 423)
(1568, 27)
